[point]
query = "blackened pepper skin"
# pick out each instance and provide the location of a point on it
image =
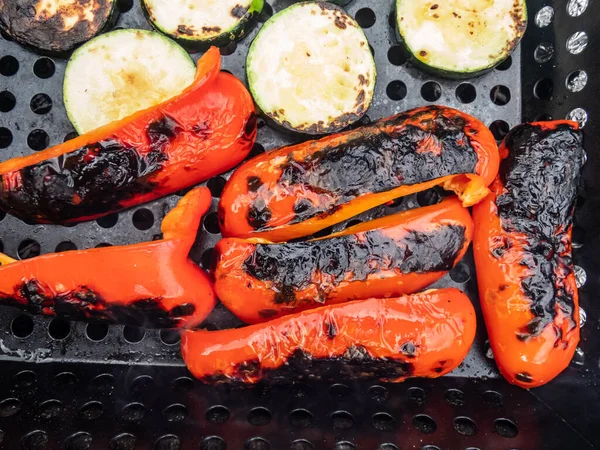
(523, 252)
(394, 255)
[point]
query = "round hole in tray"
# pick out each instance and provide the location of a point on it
(344, 445)
(50, 409)
(430, 447)
(217, 414)
(543, 89)
(505, 65)
(431, 91)
(7, 101)
(206, 259)
(142, 385)
(257, 443)
(388, 446)
(461, 273)
(35, 440)
(108, 221)
(383, 421)
(44, 68)
(169, 337)
(579, 115)
(143, 219)
(396, 55)
(91, 410)
(211, 223)
(500, 95)
(9, 407)
(25, 379)
(59, 329)
(64, 379)
(28, 249)
(417, 396)
(339, 390)
(212, 443)
(506, 428)
(424, 423)
(133, 335)
(9, 65)
(103, 245)
(379, 393)
(21, 326)
(96, 331)
(577, 42)
(6, 137)
(38, 140)
(543, 52)
(65, 246)
(70, 136)
(41, 104)
(301, 418)
(168, 442)
(301, 444)
(544, 16)
(455, 397)
(576, 80)
(466, 93)
(259, 417)
(175, 412)
(133, 412)
(123, 441)
(499, 129)
(465, 426)
(575, 8)
(216, 186)
(342, 420)
(78, 441)
(124, 5)
(493, 398)
(183, 384)
(396, 90)
(365, 17)
(229, 49)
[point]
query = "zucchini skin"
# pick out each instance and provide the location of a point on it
(206, 130)
(421, 335)
(522, 249)
(15, 15)
(298, 190)
(395, 255)
(246, 24)
(150, 284)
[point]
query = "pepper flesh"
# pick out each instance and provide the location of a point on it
(522, 248)
(395, 255)
(149, 284)
(421, 335)
(298, 190)
(206, 130)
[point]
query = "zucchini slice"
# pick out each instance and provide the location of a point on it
(199, 24)
(310, 69)
(121, 72)
(56, 27)
(460, 38)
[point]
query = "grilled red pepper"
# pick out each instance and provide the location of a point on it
(150, 284)
(421, 335)
(206, 130)
(298, 190)
(522, 249)
(395, 255)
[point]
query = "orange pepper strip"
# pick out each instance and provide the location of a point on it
(149, 284)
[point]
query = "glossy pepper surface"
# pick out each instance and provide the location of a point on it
(395, 255)
(522, 249)
(149, 284)
(206, 130)
(298, 190)
(421, 335)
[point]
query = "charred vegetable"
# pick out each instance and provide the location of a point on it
(421, 335)
(310, 69)
(394, 255)
(198, 24)
(56, 26)
(458, 38)
(149, 284)
(206, 130)
(522, 252)
(122, 72)
(298, 190)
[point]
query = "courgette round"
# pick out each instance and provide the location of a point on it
(119, 73)
(310, 69)
(198, 24)
(460, 38)
(55, 27)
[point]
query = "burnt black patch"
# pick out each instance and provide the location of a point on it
(186, 30)
(524, 377)
(251, 126)
(330, 329)
(254, 183)
(187, 309)
(239, 11)
(267, 313)
(202, 130)
(540, 177)
(292, 266)
(211, 29)
(258, 214)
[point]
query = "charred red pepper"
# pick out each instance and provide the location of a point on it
(149, 284)
(395, 255)
(298, 190)
(522, 250)
(206, 130)
(421, 335)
